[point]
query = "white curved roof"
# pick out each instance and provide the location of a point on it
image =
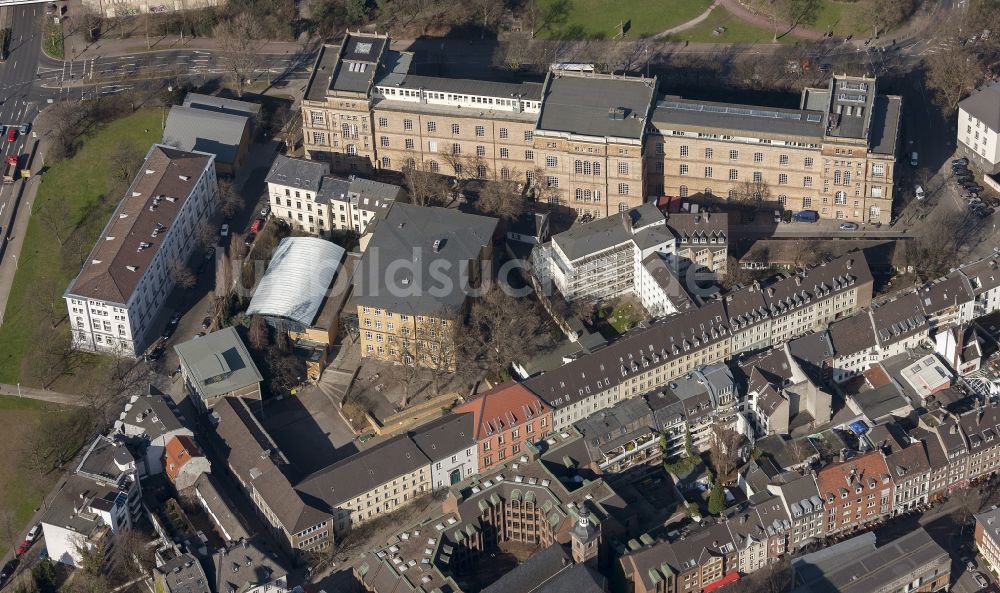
(297, 279)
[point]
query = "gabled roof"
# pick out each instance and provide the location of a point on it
(178, 451)
(126, 247)
(298, 173)
(506, 405)
(984, 105)
(445, 436)
(899, 319)
(944, 293)
(853, 334)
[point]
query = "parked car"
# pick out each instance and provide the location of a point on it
(24, 129)
(249, 240)
(224, 231)
(919, 191)
(914, 159)
(777, 216)
(981, 581)
(175, 318)
(8, 571)
(34, 532)
(985, 212)
(806, 216)
(206, 323)
(155, 353)
(258, 224)
(168, 331)
(969, 564)
(848, 226)
(962, 161)
(995, 202)
(199, 335)
(22, 548)
(265, 211)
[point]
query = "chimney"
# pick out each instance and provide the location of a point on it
(627, 222)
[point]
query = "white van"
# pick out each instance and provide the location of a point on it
(920, 192)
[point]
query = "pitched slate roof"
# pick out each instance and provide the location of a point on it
(984, 105)
(853, 334)
(899, 319)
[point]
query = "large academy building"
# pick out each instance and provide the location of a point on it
(602, 144)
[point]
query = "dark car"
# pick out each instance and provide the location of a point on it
(206, 323)
(985, 212)
(8, 571)
(168, 331)
(175, 318)
(995, 202)
(249, 240)
(155, 353)
(962, 161)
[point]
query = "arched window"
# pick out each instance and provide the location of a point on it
(434, 166)
(410, 163)
(579, 194)
(505, 173)
(578, 167)
(481, 171)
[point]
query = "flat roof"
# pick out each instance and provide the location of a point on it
(157, 194)
(219, 362)
(596, 105)
(766, 121)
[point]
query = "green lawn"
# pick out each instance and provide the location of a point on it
(21, 490)
(839, 16)
(737, 31)
(599, 19)
(76, 190)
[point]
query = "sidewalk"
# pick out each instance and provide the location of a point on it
(78, 49)
(44, 395)
(687, 25)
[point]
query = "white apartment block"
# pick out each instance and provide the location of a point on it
(115, 303)
(979, 128)
(304, 194)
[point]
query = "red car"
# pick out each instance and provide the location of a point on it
(12, 134)
(22, 548)
(257, 225)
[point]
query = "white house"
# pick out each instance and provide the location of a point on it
(100, 498)
(450, 444)
(115, 303)
(979, 126)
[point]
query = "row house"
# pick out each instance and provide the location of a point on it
(987, 536)
(622, 436)
(800, 497)
(686, 565)
(984, 277)
(856, 492)
(908, 466)
(506, 419)
(777, 389)
(648, 359)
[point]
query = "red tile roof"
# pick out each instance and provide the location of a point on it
(179, 450)
(856, 471)
(500, 408)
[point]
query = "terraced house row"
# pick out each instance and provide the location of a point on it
(602, 144)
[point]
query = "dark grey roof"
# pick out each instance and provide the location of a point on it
(606, 429)
(222, 104)
(258, 462)
(701, 225)
(586, 105)
(665, 270)
(644, 225)
(245, 565)
(984, 274)
(577, 578)
(358, 64)
(848, 95)
(944, 293)
(990, 523)
(899, 318)
(884, 133)
(812, 349)
(218, 133)
(857, 565)
(878, 404)
(219, 507)
(152, 414)
(106, 460)
(322, 73)
(409, 233)
(218, 363)
(853, 334)
(364, 471)
(683, 113)
(445, 436)
(183, 574)
(298, 173)
(984, 105)
(535, 572)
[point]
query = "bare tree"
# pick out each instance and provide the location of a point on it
(785, 15)
(425, 188)
(207, 234)
(501, 198)
(258, 334)
(123, 162)
(406, 370)
(241, 40)
(182, 274)
(501, 329)
(882, 15)
(752, 194)
(130, 556)
(230, 200)
(55, 221)
(952, 74)
(724, 446)
(487, 13)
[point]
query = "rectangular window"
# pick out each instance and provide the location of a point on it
(684, 151)
(504, 153)
(684, 169)
(529, 155)
(552, 182)
(734, 154)
(623, 168)
(708, 154)
(383, 122)
(783, 159)
(807, 202)
(782, 179)
(480, 131)
(407, 124)
(456, 148)
(758, 157)
(623, 189)
(807, 181)
(708, 172)
(528, 135)
(316, 117)
(408, 143)
(757, 177)
(878, 169)
(808, 161)
(503, 132)
(319, 138)
(551, 161)
(432, 126)
(384, 141)
(480, 151)
(734, 174)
